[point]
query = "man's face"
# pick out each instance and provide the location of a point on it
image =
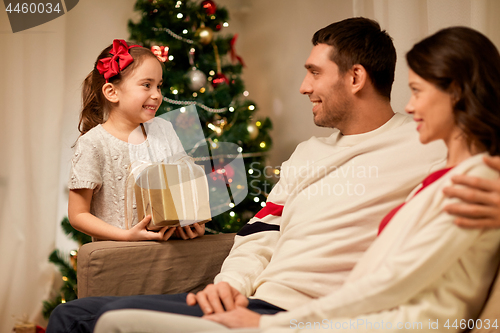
(327, 89)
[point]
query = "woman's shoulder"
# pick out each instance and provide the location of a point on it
(475, 166)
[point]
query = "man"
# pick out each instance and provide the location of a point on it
(324, 212)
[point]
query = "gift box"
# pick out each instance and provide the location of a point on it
(174, 194)
(25, 328)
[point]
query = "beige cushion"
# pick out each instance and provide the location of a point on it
(111, 268)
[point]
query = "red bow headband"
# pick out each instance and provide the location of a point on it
(120, 59)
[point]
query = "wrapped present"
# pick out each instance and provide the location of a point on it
(174, 194)
(23, 325)
(25, 328)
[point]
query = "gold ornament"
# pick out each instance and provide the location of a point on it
(205, 35)
(253, 131)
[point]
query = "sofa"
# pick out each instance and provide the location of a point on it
(109, 268)
(141, 268)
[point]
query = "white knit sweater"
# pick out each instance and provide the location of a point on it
(101, 162)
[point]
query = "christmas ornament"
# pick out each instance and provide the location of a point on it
(161, 52)
(209, 6)
(218, 27)
(223, 172)
(253, 131)
(196, 78)
(205, 34)
(219, 79)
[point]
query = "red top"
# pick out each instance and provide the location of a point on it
(426, 182)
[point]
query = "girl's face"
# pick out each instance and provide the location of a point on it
(432, 109)
(139, 95)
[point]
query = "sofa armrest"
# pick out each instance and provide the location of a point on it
(110, 268)
(491, 310)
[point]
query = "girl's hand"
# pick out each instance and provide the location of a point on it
(140, 232)
(188, 232)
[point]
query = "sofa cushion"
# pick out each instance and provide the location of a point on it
(110, 268)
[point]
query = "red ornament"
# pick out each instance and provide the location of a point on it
(223, 172)
(218, 27)
(209, 6)
(161, 52)
(219, 79)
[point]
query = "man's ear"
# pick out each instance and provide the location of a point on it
(110, 93)
(359, 77)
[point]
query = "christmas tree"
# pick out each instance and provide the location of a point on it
(201, 67)
(68, 291)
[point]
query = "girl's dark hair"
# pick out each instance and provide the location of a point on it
(465, 64)
(95, 106)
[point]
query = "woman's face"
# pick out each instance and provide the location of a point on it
(432, 109)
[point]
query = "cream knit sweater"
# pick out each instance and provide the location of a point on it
(101, 163)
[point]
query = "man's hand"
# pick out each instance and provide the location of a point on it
(481, 206)
(217, 298)
(237, 318)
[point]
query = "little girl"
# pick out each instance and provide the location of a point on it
(120, 93)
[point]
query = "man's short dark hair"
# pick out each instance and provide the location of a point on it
(361, 41)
